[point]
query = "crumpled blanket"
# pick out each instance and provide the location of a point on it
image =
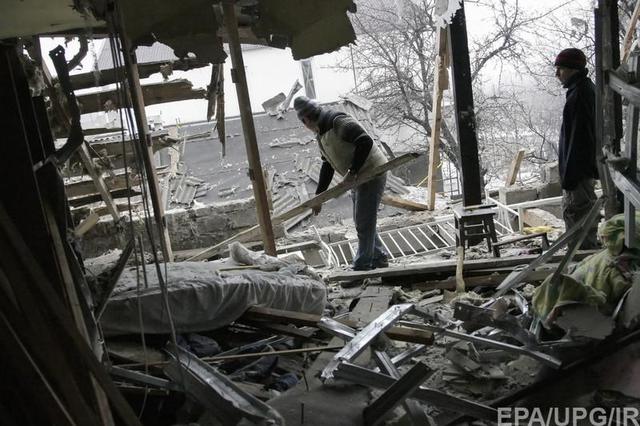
(599, 280)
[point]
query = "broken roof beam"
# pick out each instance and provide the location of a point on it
(365, 337)
(217, 393)
(301, 319)
(395, 394)
(318, 200)
(448, 267)
(369, 378)
(465, 113)
(88, 187)
(401, 203)
(136, 98)
(113, 75)
(248, 129)
(157, 93)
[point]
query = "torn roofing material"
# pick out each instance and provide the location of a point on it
(24, 18)
(197, 26)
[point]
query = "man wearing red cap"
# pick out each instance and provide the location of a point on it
(577, 146)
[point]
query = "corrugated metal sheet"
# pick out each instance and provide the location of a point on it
(157, 52)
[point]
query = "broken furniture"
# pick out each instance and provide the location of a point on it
(474, 223)
(543, 237)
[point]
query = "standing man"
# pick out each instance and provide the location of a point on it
(347, 148)
(577, 146)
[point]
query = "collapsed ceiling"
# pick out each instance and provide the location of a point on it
(309, 28)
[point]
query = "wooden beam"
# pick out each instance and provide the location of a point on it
(401, 203)
(246, 115)
(489, 278)
(608, 110)
(88, 223)
(514, 168)
(631, 30)
(99, 182)
(220, 123)
(76, 306)
(319, 199)
(631, 153)
(301, 319)
(465, 113)
(90, 199)
(440, 84)
(38, 287)
(156, 93)
(88, 187)
(444, 267)
(111, 76)
(137, 103)
(212, 90)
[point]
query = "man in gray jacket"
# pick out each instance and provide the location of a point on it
(347, 148)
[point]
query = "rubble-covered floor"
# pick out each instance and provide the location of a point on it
(277, 353)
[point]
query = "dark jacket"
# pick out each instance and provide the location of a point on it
(355, 134)
(577, 147)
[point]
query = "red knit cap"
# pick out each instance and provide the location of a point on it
(571, 58)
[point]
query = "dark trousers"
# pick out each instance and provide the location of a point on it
(366, 200)
(576, 204)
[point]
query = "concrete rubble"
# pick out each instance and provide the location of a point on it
(364, 340)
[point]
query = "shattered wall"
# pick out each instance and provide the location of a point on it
(188, 229)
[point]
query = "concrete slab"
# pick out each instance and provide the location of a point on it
(516, 194)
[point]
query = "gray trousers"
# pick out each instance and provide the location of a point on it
(576, 204)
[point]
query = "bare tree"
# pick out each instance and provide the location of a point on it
(394, 59)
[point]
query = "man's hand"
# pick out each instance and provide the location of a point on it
(316, 209)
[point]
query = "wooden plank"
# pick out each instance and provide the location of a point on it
(464, 109)
(88, 187)
(439, 86)
(405, 334)
(307, 403)
(444, 267)
(111, 76)
(220, 122)
(98, 182)
(631, 30)
(88, 223)
(319, 199)
(156, 93)
(514, 168)
(248, 128)
(212, 91)
(76, 306)
(491, 279)
(631, 153)
(38, 286)
(137, 102)
(401, 203)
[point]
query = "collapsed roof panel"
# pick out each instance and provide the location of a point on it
(188, 27)
(304, 24)
(28, 17)
(196, 26)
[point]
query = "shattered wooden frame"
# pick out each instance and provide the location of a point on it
(615, 82)
(623, 81)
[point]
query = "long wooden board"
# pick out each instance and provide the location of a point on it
(259, 313)
(446, 266)
(319, 199)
